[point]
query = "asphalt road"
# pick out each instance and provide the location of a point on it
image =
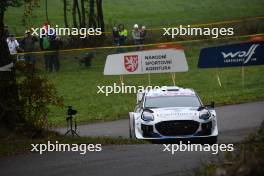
(235, 122)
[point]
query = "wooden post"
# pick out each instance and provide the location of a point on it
(173, 78)
(149, 79)
(218, 78)
(121, 77)
(243, 75)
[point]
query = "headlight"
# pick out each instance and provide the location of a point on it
(204, 114)
(147, 116)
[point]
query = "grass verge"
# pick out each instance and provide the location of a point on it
(247, 160)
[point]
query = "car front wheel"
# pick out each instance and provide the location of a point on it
(131, 131)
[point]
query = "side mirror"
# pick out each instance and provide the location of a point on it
(212, 105)
(139, 97)
(201, 108)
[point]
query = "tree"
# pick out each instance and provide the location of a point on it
(46, 10)
(83, 15)
(79, 13)
(83, 10)
(96, 19)
(65, 4)
(9, 97)
(74, 18)
(100, 16)
(8, 88)
(92, 22)
(36, 94)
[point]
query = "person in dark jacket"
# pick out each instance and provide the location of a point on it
(55, 43)
(116, 36)
(122, 37)
(122, 34)
(28, 45)
(44, 43)
(143, 34)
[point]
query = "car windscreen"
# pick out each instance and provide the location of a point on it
(172, 101)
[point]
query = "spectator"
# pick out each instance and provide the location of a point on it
(122, 37)
(136, 35)
(116, 36)
(122, 34)
(45, 27)
(28, 45)
(45, 46)
(13, 45)
(55, 43)
(143, 34)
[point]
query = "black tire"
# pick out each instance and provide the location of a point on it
(130, 134)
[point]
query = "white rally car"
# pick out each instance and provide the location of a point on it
(172, 113)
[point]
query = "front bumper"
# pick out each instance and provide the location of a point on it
(177, 129)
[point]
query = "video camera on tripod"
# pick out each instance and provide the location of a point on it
(69, 118)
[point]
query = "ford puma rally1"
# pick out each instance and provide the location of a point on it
(172, 113)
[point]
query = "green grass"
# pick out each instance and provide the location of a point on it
(78, 85)
(152, 13)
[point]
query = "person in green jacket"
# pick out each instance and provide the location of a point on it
(122, 34)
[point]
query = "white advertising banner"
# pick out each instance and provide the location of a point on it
(142, 62)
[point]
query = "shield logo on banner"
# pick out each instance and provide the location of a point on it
(131, 63)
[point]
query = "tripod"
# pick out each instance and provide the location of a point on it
(69, 124)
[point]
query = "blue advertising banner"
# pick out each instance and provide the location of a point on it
(242, 54)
